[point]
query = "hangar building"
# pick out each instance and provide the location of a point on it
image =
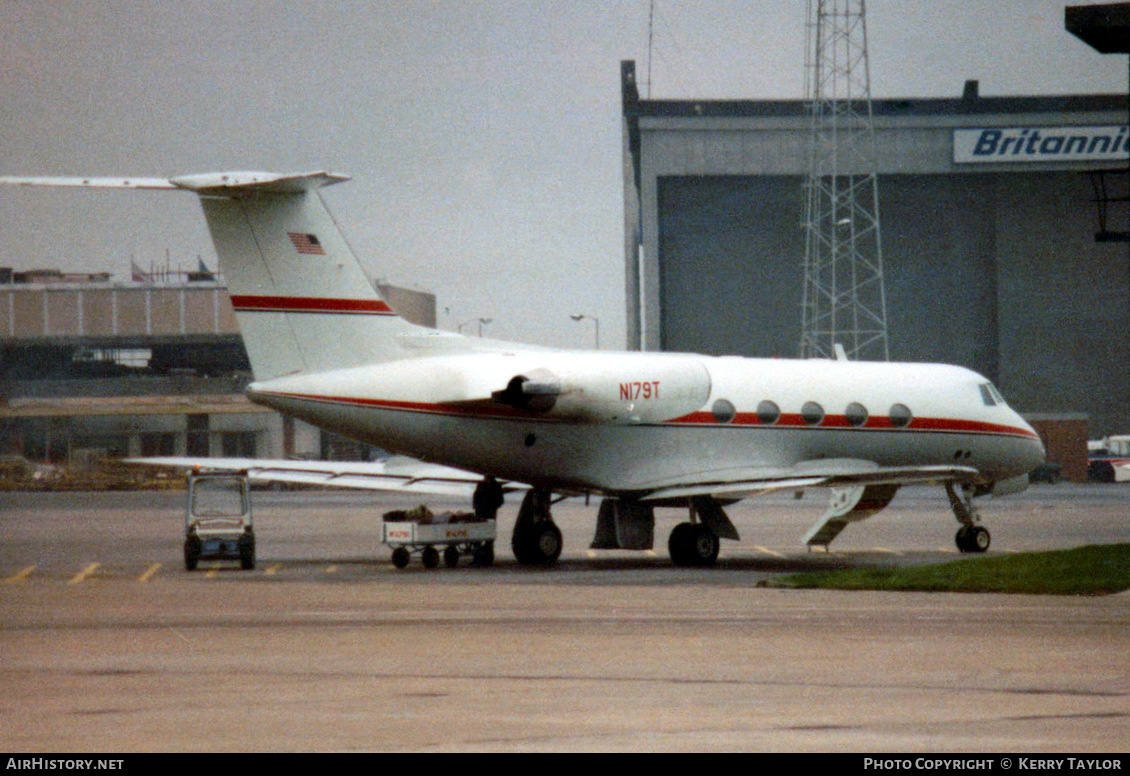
(1004, 228)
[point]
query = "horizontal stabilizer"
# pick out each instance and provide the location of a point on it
(221, 183)
(90, 183)
(208, 184)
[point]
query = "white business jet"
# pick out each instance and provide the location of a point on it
(641, 430)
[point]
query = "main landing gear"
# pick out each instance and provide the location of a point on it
(623, 525)
(971, 537)
(537, 539)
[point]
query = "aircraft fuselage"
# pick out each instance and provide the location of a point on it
(628, 423)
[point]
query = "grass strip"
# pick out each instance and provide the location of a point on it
(1092, 570)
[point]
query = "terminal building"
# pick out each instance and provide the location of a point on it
(91, 369)
(1005, 235)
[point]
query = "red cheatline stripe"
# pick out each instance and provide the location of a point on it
(309, 304)
(873, 423)
(695, 418)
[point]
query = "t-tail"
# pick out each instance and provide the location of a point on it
(303, 302)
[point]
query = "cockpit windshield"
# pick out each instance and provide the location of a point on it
(990, 395)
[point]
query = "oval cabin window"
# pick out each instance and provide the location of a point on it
(900, 415)
(768, 412)
(812, 413)
(723, 411)
(856, 414)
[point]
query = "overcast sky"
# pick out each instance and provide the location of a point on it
(484, 138)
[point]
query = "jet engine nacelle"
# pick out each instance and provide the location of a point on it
(628, 390)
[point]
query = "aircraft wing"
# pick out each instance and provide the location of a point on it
(397, 474)
(738, 484)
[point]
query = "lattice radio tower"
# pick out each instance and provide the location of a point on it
(844, 301)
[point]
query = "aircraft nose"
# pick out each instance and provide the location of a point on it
(1033, 453)
(1036, 454)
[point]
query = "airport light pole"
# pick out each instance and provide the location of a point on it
(581, 316)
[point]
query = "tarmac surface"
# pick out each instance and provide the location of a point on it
(108, 645)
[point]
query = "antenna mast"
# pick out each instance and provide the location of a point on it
(650, 28)
(844, 300)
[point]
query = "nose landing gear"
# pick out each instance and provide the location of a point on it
(971, 537)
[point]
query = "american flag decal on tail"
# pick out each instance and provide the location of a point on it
(306, 243)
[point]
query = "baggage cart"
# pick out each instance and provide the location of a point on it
(419, 532)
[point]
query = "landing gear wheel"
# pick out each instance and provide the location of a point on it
(693, 544)
(400, 557)
(972, 538)
(451, 556)
(678, 543)
(981, 539)
(704, 549)
(538, 544)
(430, 557)
(548, 543)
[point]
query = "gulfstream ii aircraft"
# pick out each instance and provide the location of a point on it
(641, 430)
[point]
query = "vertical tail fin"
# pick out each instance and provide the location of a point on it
(303, 302)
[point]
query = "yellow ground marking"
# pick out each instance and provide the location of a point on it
(886, 550)
(767, 551)
(149, 573)
(20, 575)
(86, 572)
(331, 569)
(272, 570)
(211, 574)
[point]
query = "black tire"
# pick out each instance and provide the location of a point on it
(430, 557)
(538, 544)
(549, 543)
(961, 538)
(972, 538)
(192, 550)
(979, 539)
(451, 556)
(678, 544)
(704, 547)
(247, 552)
(400, 557)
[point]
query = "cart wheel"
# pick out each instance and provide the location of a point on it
(247, 551)
(192, 550)
(400, 557)
(451, 556)
(430, 557)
